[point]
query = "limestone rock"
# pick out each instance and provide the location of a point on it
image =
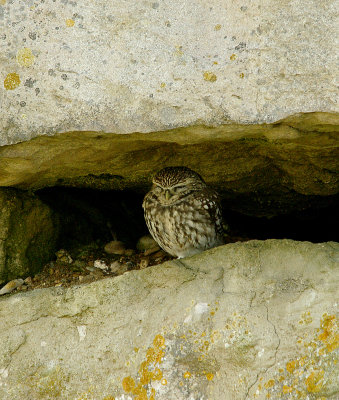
(28, 233)
(259, 170)
(242, 321)
(128, 66)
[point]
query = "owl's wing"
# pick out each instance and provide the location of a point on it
(210, 202)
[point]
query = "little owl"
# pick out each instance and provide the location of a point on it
(182, 213)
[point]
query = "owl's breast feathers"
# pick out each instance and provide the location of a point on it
(189, 226)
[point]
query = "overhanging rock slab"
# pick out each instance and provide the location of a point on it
(132, 66)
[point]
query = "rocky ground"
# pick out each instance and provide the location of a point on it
(94, 262)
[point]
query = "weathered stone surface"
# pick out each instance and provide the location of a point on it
(262, 170)
(148, 66)
(242, 321)
(28, 233)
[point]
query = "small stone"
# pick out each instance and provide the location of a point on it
(99, 264)
(64, 257)
(143, 263)
(97, 273)
(115, 247)
(118, 268)
(10, 286)
(28, 281)
(152, 250)
(79, 264)
(160, 254)
(146, 243)
(85, 279)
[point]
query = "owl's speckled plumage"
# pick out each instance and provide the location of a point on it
(182, 213)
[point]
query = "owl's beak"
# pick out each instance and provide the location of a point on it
(168, 194)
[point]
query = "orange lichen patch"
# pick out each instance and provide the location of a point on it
(70, 23)
(210, 77)
(25, 57)
(157, 374)
(12, 81)
(314, 382)
(209, 376)
(233, 57)
(128, 384)
(147, 372)
(286, 389)
(269, 383)
(187, 375)
(329, 335)
(306, 318)
(164, 381)
(308, 373)
(152, 395)
(290, 366)
(217, 27)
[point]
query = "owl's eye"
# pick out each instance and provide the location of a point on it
(179, 188)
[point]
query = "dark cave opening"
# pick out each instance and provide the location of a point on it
(88, 215)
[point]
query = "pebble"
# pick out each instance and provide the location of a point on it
(118, 268)
(10, 286)
(152, 250)
(28, 280)
(99, 264)
(85, 279)
(115, 247)
(146, 243)
(143, 263)
(97, 273)
(64, 257)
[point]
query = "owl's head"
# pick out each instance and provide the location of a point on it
(171, 184)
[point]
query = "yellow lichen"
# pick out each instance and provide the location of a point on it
(286, 389)
(233, 57)
(164, 381)
(314, 382)
(25, 57)
(209, 76)
(187, 375)
(3, 2)
(329, 336)
(12, 81)
(241, 75)
(128, 384)
(162, 84)
(290, 366)
(269, 383)
(70, 23)
(147, 372)
(306, 374)
(209, 376)
(217, 27)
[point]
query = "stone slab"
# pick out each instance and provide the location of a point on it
(146, 66)
(242, 321)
